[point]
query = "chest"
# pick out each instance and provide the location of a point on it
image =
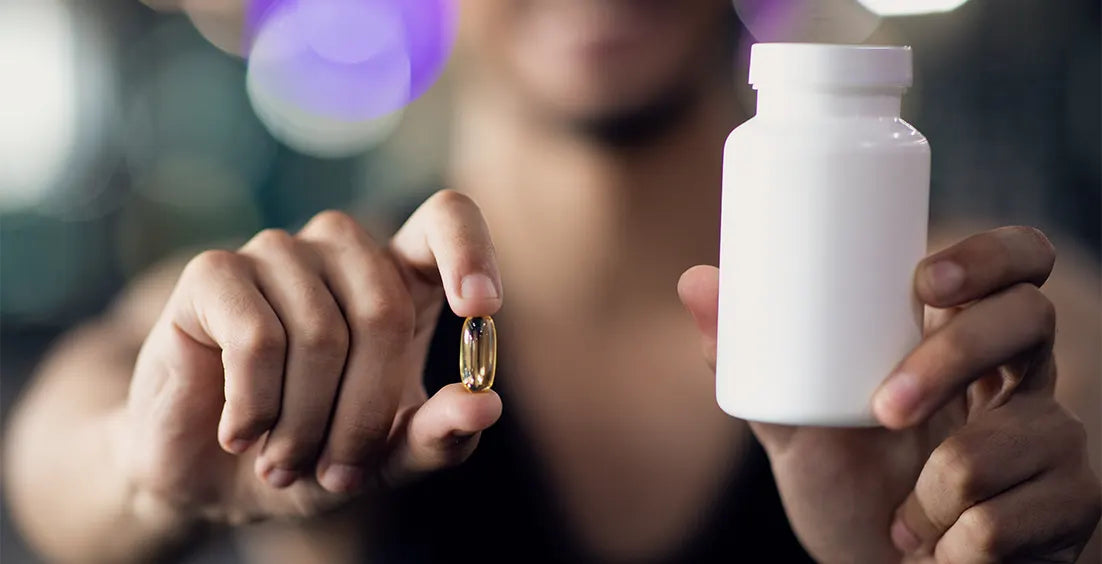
(624, 420)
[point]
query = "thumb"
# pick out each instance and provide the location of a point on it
(699, 292)
(442, 432)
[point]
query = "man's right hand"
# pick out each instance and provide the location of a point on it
(285, 378)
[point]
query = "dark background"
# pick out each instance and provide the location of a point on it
(169, 154)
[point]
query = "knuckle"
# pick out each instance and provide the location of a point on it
(1076, 433)
(386, 313)
(215, 260)
(262, 341)
(320, 328)
(951, 552)
(1039, 307)
(334, 223)
(1046, 314)
(985, 530)
(324, 335)
(958, 343)
(956, 471)
(271, 239)
(451, 200)
(242, 304)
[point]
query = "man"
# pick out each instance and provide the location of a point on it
(282, 381)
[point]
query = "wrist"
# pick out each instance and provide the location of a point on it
(151, 511)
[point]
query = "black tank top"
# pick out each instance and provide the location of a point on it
(497, 507)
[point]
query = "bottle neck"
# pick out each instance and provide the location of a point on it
(788, 101)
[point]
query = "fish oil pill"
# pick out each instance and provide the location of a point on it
(478, 353)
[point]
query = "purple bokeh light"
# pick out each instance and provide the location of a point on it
(430, 35)
(349, 59)
(819, 21)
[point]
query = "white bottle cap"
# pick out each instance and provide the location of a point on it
(815, 64)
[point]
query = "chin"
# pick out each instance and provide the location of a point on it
(599, 98)
(596, 63)
(617, 100)
(626, 122)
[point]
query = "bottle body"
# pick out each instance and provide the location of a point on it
(825, 212)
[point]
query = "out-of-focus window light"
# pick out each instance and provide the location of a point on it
(38, 101)
(189, 118)
(911, 7)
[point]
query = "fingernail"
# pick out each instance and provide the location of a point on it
(238, 446)
(477, 287)
(946, 277)
(904, 538)
(897, 398)
(281, 478)
(342, 478)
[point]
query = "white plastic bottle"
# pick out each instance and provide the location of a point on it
(825, 210)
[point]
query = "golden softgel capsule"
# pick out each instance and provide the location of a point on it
(478, 353)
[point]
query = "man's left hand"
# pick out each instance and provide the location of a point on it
(978, 461)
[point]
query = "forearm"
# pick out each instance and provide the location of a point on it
(65, 484)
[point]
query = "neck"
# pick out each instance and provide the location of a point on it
(599, 226)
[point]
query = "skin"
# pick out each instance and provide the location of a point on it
(223, 415)
(1008, 469)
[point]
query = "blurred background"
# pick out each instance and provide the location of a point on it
(127, 135)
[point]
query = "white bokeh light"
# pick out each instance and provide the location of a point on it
(318, 135)
(911, 7)
(38, 100)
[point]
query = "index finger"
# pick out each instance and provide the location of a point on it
(1016, 324)
(984, 264)
(217, 304)
(446, 243)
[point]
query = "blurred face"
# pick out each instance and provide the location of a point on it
(607, 65)
(592, 60)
